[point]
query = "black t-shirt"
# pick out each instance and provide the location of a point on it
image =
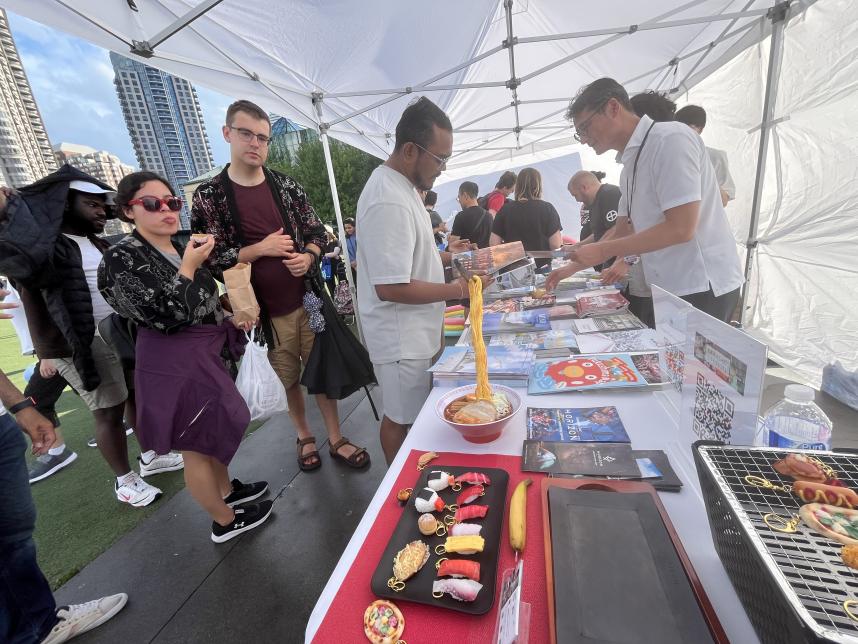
(475, 224)
(603, 210)
(531, 222)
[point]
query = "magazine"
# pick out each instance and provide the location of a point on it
(616, 322)
(649, 366)
(516, 321)
(570, 425)
(589, 305)
(582, 373)
(501, 306)
(528, 303)
(619, 341)
(583, 459)
(501, 361)
(487, 260)
(562, 312)
(538, 340)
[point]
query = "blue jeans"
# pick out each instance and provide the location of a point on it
(27, 607)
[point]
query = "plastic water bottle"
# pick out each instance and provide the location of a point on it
(796, 422)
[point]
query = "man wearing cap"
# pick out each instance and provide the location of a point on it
(49, 249)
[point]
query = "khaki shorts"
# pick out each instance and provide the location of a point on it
(405, 386)
(112, 390)
(293, 342)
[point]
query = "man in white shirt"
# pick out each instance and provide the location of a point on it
(669, 196)
(694, 117)
(402, 308)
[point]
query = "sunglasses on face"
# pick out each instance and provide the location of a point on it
(154, 204)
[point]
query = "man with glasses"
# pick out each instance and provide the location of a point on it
(670, 212)
(401, 306)
(263, 217)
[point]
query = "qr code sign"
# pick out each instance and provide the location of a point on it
(713, 412)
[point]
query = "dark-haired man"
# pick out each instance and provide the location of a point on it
(401, 305)
(694, 117)
(496, 199)
(472, 222)
(430, 198)
(263, 217)
(671, 199)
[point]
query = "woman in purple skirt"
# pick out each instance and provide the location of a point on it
(186, 400)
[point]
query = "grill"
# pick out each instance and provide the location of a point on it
(793, 586)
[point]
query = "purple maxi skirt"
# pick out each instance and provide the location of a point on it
(186, 399)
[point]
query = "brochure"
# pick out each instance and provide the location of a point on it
(581, 373)
(576, 425)
(583, 459)
(616, 322)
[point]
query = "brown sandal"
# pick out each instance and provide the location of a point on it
(302, 458)
(355, 459)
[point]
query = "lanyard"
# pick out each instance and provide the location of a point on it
(631, 193)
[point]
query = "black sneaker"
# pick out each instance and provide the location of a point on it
(245, 492)
(45, 465)
(246, 518)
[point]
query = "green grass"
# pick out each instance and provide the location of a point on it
(78, 514)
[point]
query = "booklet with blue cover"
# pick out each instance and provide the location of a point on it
(533, 320)
(576, 425)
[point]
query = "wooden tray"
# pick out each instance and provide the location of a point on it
(634, 583)
(419, 587)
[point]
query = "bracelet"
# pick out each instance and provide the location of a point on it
(27, 402)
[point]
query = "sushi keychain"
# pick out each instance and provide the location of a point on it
(439, 480)
(407, 563)
(428, 525)
(466, 513)
(467, 545)
(471, 494)
(427, 500)
(425, 459)
(458, 568)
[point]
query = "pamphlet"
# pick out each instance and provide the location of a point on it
(584, 459)
(616, 322)
(516, 321)
(581, 373)
(501, 361)
(571, 425)
(600, 304)
(619, 341)
(538, 341)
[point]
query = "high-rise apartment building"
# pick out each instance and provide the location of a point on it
(165, 122)
(25, 151)
(100, 164)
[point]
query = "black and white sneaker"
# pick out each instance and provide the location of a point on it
(245, 492)
(246, 518)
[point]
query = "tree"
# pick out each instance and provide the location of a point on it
(352, 168)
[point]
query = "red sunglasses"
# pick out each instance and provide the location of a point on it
(154, 204)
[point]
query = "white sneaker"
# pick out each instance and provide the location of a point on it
(169, 462)
(135, 491)
(80, 618)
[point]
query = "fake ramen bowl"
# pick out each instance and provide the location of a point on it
(478, 432)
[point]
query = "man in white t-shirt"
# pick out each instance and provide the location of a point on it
(694, 117)
(670, 197)
(402, 309)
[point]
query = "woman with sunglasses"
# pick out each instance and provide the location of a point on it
(186, 399)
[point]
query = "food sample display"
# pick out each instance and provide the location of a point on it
(383, 622)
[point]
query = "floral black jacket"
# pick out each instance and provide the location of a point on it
(141, 285)
(214, 211)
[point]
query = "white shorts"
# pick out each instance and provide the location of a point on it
(405, 386)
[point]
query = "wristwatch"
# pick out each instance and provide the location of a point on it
(27, 402)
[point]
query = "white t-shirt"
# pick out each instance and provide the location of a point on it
(674, 169)
(396, 246)
(722, 171)
(91, 257)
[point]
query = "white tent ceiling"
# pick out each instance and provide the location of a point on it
(365, 59)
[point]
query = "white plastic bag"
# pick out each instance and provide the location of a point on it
(257, 382)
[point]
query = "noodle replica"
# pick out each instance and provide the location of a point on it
(482, 406)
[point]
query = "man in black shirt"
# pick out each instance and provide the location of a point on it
(472, 223)
(601, 200)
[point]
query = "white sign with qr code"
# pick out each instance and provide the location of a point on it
(508, 628)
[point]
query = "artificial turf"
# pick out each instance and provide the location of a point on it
(78, 514)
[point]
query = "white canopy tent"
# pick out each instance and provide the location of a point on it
(504, 71)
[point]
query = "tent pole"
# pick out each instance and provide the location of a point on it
(513, 81)
(335, 197)
(146, 49)
(779, 15)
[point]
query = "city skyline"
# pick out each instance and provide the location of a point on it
(72, 82)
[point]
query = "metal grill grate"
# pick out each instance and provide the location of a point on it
(806, 567)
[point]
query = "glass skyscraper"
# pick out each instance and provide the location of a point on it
(165, 122)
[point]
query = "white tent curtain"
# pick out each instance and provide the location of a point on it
(366, 60)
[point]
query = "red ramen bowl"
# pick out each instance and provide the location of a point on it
(480, 432)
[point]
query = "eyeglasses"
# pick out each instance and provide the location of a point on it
(581, 130)
(154, 204)
(247, 136)
(440, 160)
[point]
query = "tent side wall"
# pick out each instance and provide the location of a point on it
(804, 278)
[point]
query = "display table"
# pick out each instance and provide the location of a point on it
(648, 425)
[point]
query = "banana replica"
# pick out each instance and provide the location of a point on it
(518, 516)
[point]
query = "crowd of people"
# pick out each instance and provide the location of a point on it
(142, 332)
